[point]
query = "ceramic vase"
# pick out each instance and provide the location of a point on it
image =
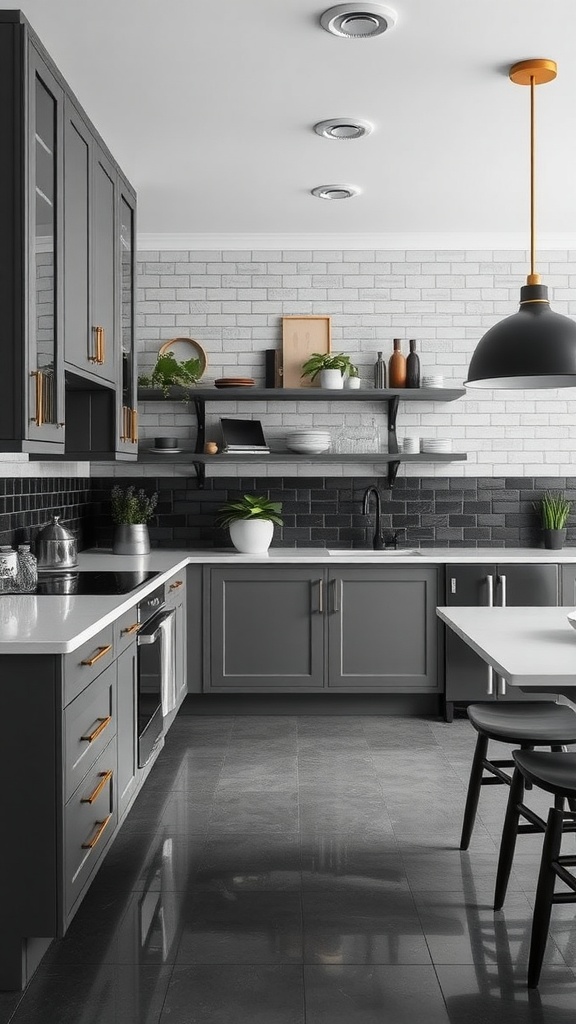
(352, 383)
(554, 539)
(131, 539)
(331, 379)
(251, 536)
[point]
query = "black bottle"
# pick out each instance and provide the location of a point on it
(380, 372)
(412, 367)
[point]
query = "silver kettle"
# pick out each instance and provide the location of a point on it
(56, 547)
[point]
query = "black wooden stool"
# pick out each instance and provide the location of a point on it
(524, 724)
(555, 773)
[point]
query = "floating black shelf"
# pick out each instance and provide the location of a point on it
(392, 458)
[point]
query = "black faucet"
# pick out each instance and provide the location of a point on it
(378, 542)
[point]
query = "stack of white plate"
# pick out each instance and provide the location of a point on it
(435, 445)
(433, 380)
(410, 445)
(308, 442)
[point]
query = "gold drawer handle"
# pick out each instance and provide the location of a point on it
(99, 728)
(105, 778)
(134, 426)
(174, 586)
(131, 629)
(96, 839)
(96, 657)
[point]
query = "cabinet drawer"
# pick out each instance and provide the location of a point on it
(126, 630)
(90, 817)
(83, 665)
(176, 589)
(89, 725)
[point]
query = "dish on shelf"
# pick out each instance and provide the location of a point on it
(303, 448)
(234, 382)
(165, 451)
(183, 349)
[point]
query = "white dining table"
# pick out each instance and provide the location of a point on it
(531, 648)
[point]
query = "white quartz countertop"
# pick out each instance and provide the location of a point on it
(31, 624)
(527, 646)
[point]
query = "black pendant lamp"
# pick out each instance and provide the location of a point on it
(533, 348)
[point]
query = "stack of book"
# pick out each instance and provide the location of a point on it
(243, 437)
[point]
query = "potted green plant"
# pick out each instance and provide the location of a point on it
(554, 510)
(168, 372)
(131, 511)
(330, 368)
(352, 380)
(250, 520)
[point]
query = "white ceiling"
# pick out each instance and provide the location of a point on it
(208, 106)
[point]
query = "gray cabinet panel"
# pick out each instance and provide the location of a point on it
(568, 585)
(90, 818)
(382, 629)
(127, 680)
(266, 629)
(104, 262)
(89, 724)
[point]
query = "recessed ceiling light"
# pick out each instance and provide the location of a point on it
(358, 20)
(343, 128)
(335, 191)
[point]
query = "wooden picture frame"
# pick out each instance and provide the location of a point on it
(301, 336)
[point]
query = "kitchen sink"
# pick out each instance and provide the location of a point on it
(370, 553)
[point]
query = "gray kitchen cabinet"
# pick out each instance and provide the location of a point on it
(382, 629)
(176, 598)
(271, 629)
(265, 629)
(62, 390)
(468, 677)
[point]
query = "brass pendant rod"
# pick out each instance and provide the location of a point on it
(532, 178)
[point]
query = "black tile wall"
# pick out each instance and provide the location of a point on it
(27, 504)
(327, 512)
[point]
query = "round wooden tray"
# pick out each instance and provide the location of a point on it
(185, 348)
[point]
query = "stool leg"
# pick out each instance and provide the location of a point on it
(473, 794)
(544, 894)
(508, 841)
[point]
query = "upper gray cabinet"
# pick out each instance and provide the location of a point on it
(67, 282)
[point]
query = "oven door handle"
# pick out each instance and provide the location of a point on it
(149, 633)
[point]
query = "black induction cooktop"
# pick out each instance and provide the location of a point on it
(86, 581)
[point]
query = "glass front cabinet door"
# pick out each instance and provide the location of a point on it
(127, 416)
(44, 404)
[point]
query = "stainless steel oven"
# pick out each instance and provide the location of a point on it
(156, 671)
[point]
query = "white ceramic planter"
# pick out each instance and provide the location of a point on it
(251, 536)
(331, 379)
(352, 383)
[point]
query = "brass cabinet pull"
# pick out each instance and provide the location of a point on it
(98, 358)
(96, 657)
(99, 728)
(133, 425)
(125, 435)
(102, 345)
(131, 629)
(178, 583)
(320, 596)
(96, 838)
(336, 589)
(38, 417)
(104, 780)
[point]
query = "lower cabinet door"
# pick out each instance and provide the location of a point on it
(382, 629)
(90, 817)
(127, 727)
(266, 629)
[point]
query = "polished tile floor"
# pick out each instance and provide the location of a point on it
(282, 870)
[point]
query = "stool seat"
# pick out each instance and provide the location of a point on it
(555, 773)
(532, 723)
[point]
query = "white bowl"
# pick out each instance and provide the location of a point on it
(572, 618)
(308, 449)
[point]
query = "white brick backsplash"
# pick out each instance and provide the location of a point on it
(232, 302)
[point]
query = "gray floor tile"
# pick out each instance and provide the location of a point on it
(362, 924)
(255, 862)
(235, 995)
(105, 993)
(254, 811)
(498, 995)
(8, 1003)
(231, 927)
(373, 995)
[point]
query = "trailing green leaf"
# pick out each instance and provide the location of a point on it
(249, 507)
(169, 372)
(328, 361)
